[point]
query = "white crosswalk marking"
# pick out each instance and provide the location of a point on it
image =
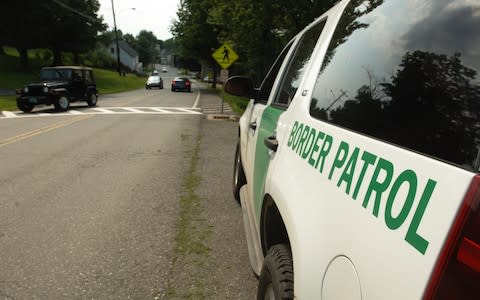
(131, 109)
(103, 110)
(106, 111)
(74, 112)
(158, 109)
(189, 110)
(9, 114)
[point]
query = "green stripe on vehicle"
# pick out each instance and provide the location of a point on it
(268, 124)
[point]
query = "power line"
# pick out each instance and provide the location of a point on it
(75, 11)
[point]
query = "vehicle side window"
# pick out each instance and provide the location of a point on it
(418, 89)
(77, 75)
(298, 63)
(88, 76)
(64, 73)
(267, 83)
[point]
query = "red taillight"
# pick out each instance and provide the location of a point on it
(469, 254)
(173, 81)
(457, 272)
(187, 82)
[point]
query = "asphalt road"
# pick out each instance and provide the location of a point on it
(131, 204)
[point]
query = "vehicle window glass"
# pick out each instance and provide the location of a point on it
(77, 75)
(298, 63)
(267, 83)
(88, 77)
(416, 86)
(49, 74)
(64, 73)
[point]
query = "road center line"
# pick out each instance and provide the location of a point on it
(35, 132)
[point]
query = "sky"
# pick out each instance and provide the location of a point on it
(152, 15)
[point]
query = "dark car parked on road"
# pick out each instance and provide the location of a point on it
(59, 86)
(181, 84)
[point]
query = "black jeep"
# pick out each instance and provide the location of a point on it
(59, 86)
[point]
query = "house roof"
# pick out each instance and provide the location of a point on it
(127, 48)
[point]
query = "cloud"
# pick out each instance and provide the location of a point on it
(449, 28)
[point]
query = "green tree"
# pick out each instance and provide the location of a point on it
(130, 39)
(250, 28)
(257, 30)
(169, 45)
(61, 25)
(107, 37)
(147, 47)
(73, 27)
(22, 26)
(194, 36)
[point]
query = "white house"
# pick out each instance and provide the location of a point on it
(128, 55)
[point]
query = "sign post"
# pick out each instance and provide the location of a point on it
(223, 78)
(225, 56)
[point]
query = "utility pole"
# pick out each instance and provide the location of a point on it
(116, 41)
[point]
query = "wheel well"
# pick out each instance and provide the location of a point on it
(273, 230)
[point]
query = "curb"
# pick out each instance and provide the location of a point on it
(220, 117)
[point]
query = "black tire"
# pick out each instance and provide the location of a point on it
(276, 278)
(239, 179)
(92, 99)
(62, 103)
(26, 108)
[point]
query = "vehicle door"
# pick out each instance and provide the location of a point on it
(88, 79)
(78, 85)
(290, 79)
(253, 114)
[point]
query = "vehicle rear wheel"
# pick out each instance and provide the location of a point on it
(26, 108)
(238, 174)
(276, 278)
(92, 99)
(62, 103)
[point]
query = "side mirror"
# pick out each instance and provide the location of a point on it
(239, 86)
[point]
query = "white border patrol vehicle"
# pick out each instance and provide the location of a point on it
(357, 160)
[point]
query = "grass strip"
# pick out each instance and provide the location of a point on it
(192, 233)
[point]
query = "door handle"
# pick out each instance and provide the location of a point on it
(271, 142)
(253, 125)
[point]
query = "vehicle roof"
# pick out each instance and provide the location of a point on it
(182, 78)
(67, 67)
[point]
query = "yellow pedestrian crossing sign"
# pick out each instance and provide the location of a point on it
(225, 56)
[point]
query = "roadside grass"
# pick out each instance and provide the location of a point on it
(238, 104)
(110, 82)
(8, 103)
(192, 232)
(11, 77)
